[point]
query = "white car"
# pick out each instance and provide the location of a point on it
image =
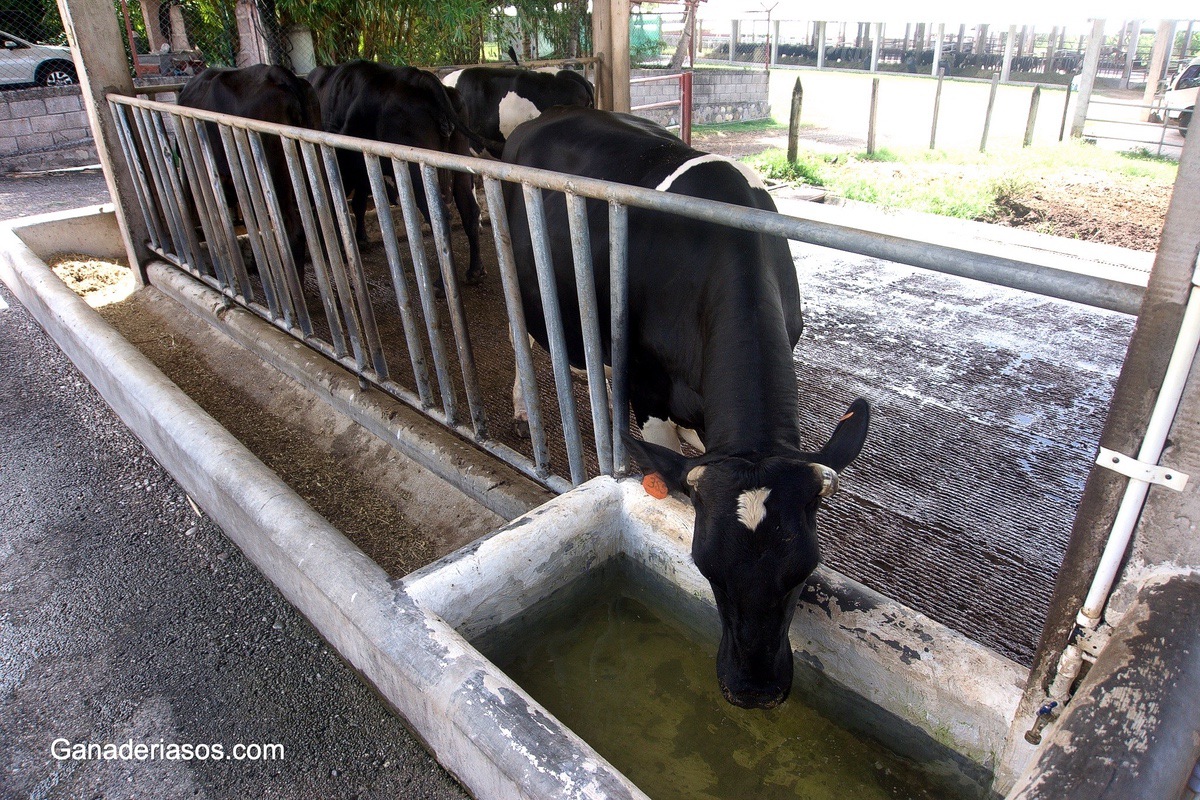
(1180, 98)
(23, 63)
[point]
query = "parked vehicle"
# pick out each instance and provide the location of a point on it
(1179, 100)
(23, 63)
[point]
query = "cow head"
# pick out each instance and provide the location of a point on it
(755, 541)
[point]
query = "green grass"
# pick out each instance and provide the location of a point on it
(739, 127)
(969, 185)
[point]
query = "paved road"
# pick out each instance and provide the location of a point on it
(125, 617)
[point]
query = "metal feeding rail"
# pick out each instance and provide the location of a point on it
(173, 157)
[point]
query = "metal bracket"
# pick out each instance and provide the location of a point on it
(1150, 473)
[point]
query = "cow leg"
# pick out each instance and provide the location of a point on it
(520, 409)
(468, 212)
(358, 206)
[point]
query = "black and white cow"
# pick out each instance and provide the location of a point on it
(498, 99)
(400, 105)
(714, 315)
(270, 94)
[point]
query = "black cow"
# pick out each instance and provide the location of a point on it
(498, 99)
(270, 94)
(399, 105)
(714, 315)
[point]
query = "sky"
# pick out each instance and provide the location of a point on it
(1071, 13)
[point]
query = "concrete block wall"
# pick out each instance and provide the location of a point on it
(44, 128)
(735, 95)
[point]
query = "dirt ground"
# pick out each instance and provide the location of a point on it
(1091, 206)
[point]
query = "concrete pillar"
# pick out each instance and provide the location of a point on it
(1009, 42)
(95, 37)
(602, 49)
(1135, 32)
(179, 35)
(982, 45)
(962, 34)
(620, 55)
(1087, 80)
(876, 43)
(252, 41)
(734, 33)
(154, 34)
(937, 48)
(820, 45)
(775, 42)
(1159, 56)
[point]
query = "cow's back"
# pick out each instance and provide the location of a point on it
(263, 92)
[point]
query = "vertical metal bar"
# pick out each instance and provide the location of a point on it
(196, 256)
(133, 159)
(154, 159)
(202, 200)
(1034, 99)
(871, 117)
(1062, 128)
(354, 266)
(589, 318)
(330, 235)
(291, 270)
(425, 287)
(937, 107)
(517, 330)
(233, 159)
(554, 330)
(458, 319)
(242, 283)
(387, 229)
(316, 247)
(270, 269)
(618, 281)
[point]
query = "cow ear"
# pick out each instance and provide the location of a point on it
(847, 439)
(673, 467)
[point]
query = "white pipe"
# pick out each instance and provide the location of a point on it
(1157, 430)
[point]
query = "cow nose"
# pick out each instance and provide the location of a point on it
(754, 699)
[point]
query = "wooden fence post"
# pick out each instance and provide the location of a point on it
(987, 120)
(794, 121)
(871, 118)
(1033, 110)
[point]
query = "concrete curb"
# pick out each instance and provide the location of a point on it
(417, 662)
(486, 480)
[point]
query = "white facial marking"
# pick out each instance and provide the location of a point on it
(748, 173)
(451, 80)
(514, 110)
(752, 507)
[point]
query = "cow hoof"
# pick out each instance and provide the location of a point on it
(474, 278)
(521, 426)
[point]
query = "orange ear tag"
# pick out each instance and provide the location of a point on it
(655, 486)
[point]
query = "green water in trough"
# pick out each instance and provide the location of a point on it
(638, 683)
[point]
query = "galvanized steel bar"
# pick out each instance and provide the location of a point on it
(618, 283)
(233, 159)
(425, 288)
(589, 319)
(332, 241)
(291, 270)
(192, 244)
(271, 270)
(387, 229)
(458, 318)
(133, 158)
(354, 265)
(202, 201)
(554, 329)
(241, 286)
(161, 192)
(316, 248)
(518, 332)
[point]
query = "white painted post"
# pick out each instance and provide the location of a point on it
(820, 45)
(95, 38)
(1135, 33)
(733, 38)
(1163, 45)
(937, 48)
(775, 43)
(1006, 66)
(1087, 81)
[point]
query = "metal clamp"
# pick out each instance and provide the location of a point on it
(1138, 470)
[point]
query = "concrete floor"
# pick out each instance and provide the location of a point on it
(126, 617)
